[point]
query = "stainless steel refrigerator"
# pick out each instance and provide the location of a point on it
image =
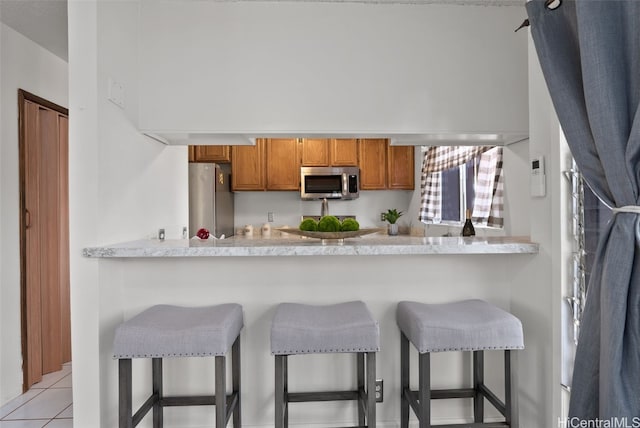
(210, 199)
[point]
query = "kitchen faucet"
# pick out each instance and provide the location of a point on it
(324, 210)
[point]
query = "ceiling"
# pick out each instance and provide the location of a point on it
(45, 21)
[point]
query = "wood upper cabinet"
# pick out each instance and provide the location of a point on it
(247, 167)
(329, 152)
(385, 167)
(372, 154)
(315, 152)
(274, 163)
(283, 164)
(219, 154)
(400, 167)
(343, 152)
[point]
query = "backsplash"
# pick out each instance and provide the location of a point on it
(288, 208)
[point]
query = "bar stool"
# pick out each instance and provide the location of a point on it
(339, 328)
(165, 331)
(469, 325)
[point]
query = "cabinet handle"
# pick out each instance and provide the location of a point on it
(27, 219)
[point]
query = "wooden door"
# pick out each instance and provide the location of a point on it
(315, 152)
(31, 293)
(373, 163)
(63, 243)
(400, 162)
(44, 234)
(49, 219)
(283, 164)
(247, 167)
(344, 152)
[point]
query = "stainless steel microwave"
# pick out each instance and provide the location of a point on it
(329, 182)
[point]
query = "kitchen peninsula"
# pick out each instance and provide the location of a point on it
(378, 269)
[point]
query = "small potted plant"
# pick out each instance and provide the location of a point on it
(392, 215)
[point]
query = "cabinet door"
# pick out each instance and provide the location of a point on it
(373, 163)
(400, 167)
(247, 167)
(344, 152)
(219, 154)
(315, 152)
(283, 164)
(192, 153)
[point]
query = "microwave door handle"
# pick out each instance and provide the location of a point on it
(345, 183)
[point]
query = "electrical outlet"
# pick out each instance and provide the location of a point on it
(383, 216)
(269, 216)
(379, 390)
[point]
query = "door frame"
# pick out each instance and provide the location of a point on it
(22, 97)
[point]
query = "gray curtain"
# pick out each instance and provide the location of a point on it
(590, 56)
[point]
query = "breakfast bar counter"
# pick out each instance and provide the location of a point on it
(371, 245)
(378, 269)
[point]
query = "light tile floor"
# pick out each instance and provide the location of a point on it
(47, 404)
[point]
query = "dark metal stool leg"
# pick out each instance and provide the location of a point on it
(221, 392)
(424, 389)
(279, 390)
(511, 388)
(125, 393)
(235, 378)
(286, 392)
(360, 387)
(156, 370)
(371, 390)
(478, 381)
(404, 381)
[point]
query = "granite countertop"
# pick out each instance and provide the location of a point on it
(285, 245)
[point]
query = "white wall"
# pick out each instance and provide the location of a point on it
(536, 291)
(330, 66)
(122, 185)
(28, 66)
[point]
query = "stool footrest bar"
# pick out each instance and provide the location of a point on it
(452, 393)
(354, 426)
(142, 411)
(412, 398)
(362, 400)
(193, 400)
(439, 394)
(497, 403)
(474, 425)
(298, 397)
(232, 402)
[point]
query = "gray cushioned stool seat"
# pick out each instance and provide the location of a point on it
(306, 329)
(172, 331)
(468, 325)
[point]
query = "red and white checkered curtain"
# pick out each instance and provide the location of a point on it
(489, 200)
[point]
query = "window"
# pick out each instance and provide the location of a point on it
(589, 218)
(458, 191)
(596, 217)
(455, 179)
